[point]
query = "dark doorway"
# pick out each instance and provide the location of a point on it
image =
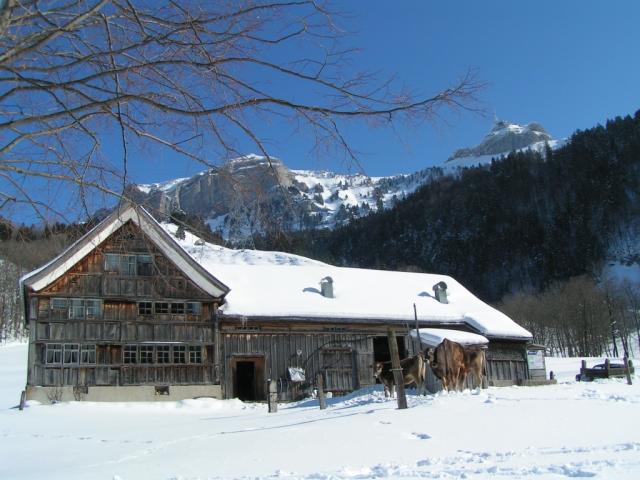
(246, 381)
(248, 378)
(381, 349)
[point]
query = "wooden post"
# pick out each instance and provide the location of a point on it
(273, 396)
(23, 397)
(398, 378)
(583, 370)
(607, 367)
(627, 370)
(418, 339)
(321, 397)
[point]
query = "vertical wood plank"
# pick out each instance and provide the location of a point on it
(397, 369)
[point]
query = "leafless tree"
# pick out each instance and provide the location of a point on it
(80, 77)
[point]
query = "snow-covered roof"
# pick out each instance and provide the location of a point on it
(48, 273)
(280, 285)
(432, 337)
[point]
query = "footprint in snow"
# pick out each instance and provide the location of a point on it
(420, 436)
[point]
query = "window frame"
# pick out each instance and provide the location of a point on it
(163, 352)
(129, 264)
(179, 354)
(56, 351)
(143, 350)
(88, 354)
(177, 308)
(142, 308)
(73, 351)
(195, 351)
(144, 265)
(130, 355)
(193, 308)
(60, 307)
(165, 311)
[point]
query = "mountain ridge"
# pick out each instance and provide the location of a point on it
(252, 195)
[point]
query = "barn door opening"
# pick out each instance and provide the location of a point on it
(248, 378)
(381, 349)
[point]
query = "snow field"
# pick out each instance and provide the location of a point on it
(553, 432)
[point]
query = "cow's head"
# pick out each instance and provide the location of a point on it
(430, 355)
(377, 369)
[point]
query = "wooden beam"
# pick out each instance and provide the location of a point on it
(321, 397)
(398, 378)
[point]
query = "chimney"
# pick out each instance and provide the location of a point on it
(440, 291)
(326, 287)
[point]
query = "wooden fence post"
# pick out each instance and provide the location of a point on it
(607, 367)
(23, 397)
(583, 370)
(321, 397)
(273, 396)
(398, 378)
(627, 370)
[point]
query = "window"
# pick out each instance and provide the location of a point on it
(130, 354)
(179, 354)
(76, 309)
(93, 308)
(145, 308)
(111, 262)
(163, 353)
(128, 264)
(59, 304)
(81, 308)
(162, 307)
(71, 353)
(144, 265)
(195, 354)
(193, 308)
(54, 353)
(146, 354)
(177, 308)
(88, 354)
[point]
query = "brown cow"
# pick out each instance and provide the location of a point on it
(413, 371)
(447, 362)
(474, 363)
(451, 363)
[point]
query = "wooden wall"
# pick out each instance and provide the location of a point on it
(345, 359)
(119, 324)
(507, 363)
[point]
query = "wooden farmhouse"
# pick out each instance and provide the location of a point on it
(129, 312)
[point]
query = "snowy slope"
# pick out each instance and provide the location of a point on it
(554, 432)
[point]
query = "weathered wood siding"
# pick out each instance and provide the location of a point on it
(344, 359)
(186, 339)
(507, 363)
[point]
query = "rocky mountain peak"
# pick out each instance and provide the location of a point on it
(503, 138)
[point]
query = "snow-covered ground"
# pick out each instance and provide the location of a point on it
(552, 432)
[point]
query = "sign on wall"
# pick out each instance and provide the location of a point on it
(535, 359)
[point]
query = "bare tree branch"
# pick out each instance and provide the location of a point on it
(180, 76)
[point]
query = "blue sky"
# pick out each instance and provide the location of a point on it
(568, 65)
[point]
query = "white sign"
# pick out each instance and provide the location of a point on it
(535, 358)
(296, 374)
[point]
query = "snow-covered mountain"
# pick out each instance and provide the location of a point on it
(253, 194)
(504, 137)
